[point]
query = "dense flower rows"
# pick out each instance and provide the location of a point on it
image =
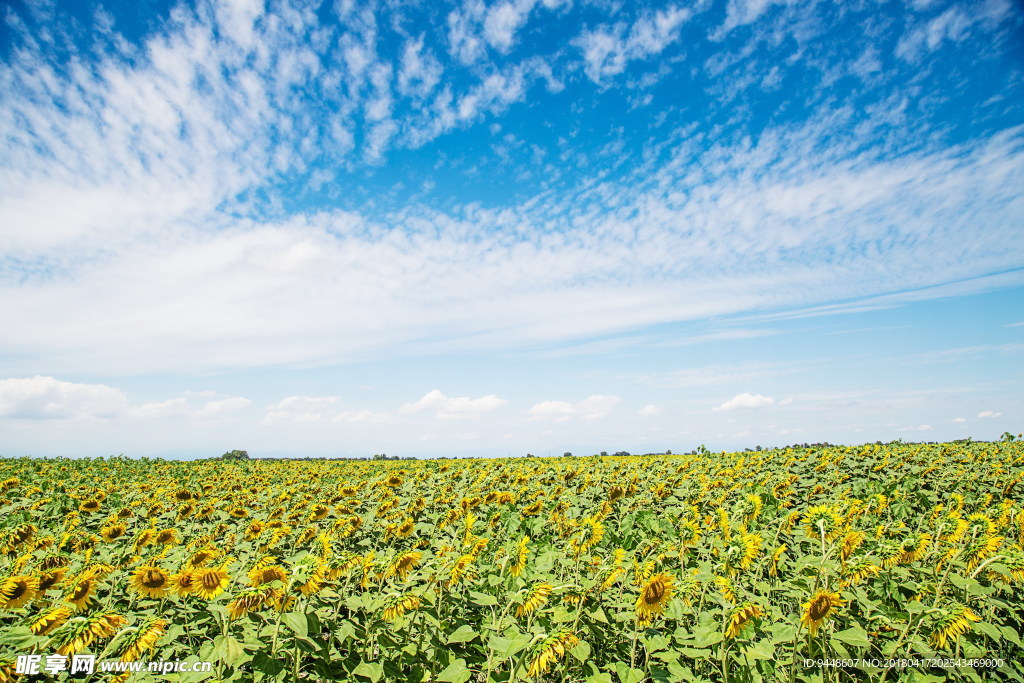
(731, 566)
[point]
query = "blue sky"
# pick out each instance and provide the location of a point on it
(491, 228)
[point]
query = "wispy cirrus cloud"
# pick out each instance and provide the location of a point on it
(746, 400)
(591, 408)
(459, 407)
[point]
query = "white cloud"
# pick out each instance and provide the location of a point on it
(959, 420)
(607, 50)
(989, 413)
(591, 408)
(446, 408)
(182, 408)
(503, 20)
(300, 409)
(360, 416)
(420, 72)
(215, 409)
(953, 25)
(49, 398)
(746, 400)
(650, 410)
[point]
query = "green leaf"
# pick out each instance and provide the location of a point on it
(627, 674)
(581, 651)
(705, 636)
(603, 677)
(227, 649)
(1011, 635)
(783, 633)
(20, 638)
(513, 642)
(854, 635)
(988, 629)
(482, 599)
(456, 672)
(297, 623)
(656, 643)
(264, 663)
(371, 670)
(762, 649)
(463, 634)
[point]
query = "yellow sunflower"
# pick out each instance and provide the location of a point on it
(819, 608)
(654, 595)
(15, 591)
(81, 595)
(151, 582)
(209, 583)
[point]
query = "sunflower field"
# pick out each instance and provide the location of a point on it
(891, 562)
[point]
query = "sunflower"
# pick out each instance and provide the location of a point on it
(51, 579)
(404, 564)
(15, 591)
(260, 575)
(209, 583)
(404, 530)
(818, 608)
(315, 582)
(654, 595)
(91, 505)
(151, 582)
(184, 582)
(551, 649)
(168, 537)
(201, 557)
(79, 633)
(522, 553)
(254, 599)
(399, 605)
(49, 621)
(113, 532)
(952, 625)
(144, 639)
(741, 617)
(537, 597)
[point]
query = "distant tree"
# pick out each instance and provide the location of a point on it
(530, 455)
(567, 454)
(668, 451)
(604, 454)
(235, 455)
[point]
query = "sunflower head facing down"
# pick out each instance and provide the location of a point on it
(819, 608)
(654, 595)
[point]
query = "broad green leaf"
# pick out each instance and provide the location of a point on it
(988, 629)
(483, 599)
(371, 670)
(627, 674)
(456, 672)
(854, 635)
(508, 645)
(462, 634)
(227, 649)
(603, 677)
(762, 649)
(296, 622)
(581, 651)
